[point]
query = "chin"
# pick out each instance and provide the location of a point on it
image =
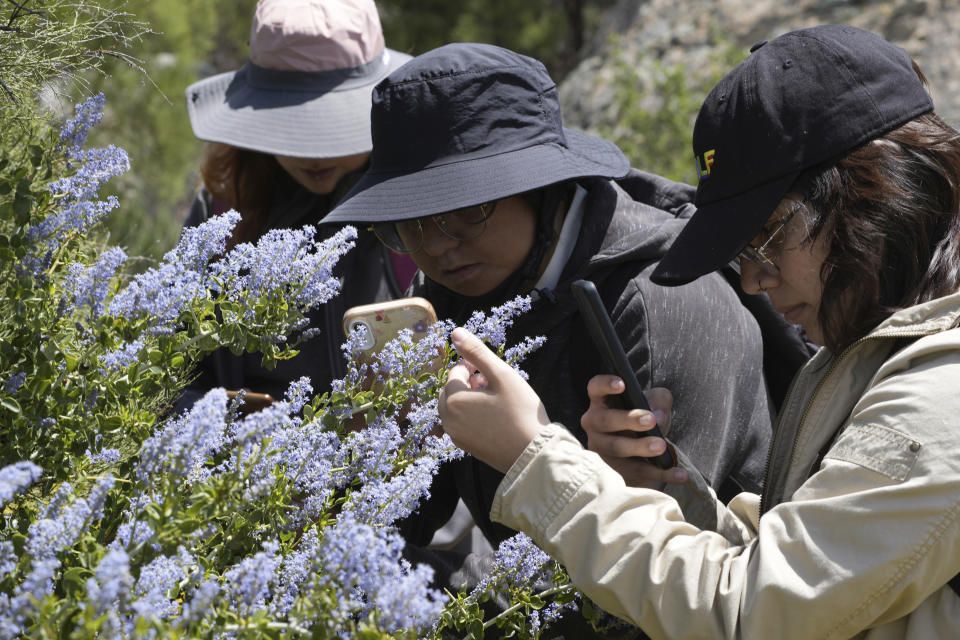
(468, 290)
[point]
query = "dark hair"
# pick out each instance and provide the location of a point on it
(242, 179)
(890, 211)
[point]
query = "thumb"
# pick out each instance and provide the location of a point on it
(472, 349)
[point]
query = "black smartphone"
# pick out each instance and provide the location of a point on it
(605, 338)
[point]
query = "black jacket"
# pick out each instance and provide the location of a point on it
(697, 340)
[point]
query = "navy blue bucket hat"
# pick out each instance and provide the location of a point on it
(797, 103)
(466, 124)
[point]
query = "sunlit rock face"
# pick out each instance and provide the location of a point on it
(701, 33)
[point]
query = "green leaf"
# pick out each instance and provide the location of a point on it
(74, 580)
(10, 404)
(22, 205)
(475, 629)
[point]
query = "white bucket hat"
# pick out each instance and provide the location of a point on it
(305, 91)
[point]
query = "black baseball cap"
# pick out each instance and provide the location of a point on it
(797, 102)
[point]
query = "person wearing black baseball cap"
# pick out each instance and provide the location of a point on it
(825, 172)
(474, 175)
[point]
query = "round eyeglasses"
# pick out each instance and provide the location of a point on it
(406, 236)
(761, 254)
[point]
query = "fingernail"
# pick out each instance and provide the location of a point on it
(616, 384)
(647, 420)
(658, 446)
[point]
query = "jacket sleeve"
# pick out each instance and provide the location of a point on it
(699, 342)
(871, 537)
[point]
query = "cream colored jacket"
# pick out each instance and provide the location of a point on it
(858, 543)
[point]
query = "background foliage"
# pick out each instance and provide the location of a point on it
(190, 39)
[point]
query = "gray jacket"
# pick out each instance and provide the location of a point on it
(697, 340)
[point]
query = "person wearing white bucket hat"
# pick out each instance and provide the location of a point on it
(289, 134)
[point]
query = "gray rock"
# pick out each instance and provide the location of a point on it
(704, 35)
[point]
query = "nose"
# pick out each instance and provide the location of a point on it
(756, 278)
(435, 241)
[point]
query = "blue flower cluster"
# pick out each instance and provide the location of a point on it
(492, 327)
(74, 133)
(77, 207)
(376, 579)
(87, 286)
(60, 524)
(16, 477)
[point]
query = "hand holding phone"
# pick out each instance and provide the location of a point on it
(605, 339)
(383, 321)
(252, 402)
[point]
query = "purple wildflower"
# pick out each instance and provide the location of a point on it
(287, 262)
(248, 583)
(519, 352)
(369, 454)
(195, 608)
(364, 568)
(87, 286)
(295, 573)
(198, 245)
(159, 576)
(35, 588)
(16, 477)
(183, 445)
(14, 383)
(381, 502)
(298, 394)
(518, 562)
(108, 592)
(492, 328)
(8, 558)
(159, 293)
(131, 534)
(60, 524)
(98, 166)
(88, 113)
(123, 356)
(107, 456)
(307, 454)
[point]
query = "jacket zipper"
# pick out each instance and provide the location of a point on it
(765, 496)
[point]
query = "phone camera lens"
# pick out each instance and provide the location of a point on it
(368, 339)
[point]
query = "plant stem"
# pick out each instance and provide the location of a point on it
(563, 588)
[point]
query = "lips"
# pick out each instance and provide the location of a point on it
(319, 175)
(463, 271)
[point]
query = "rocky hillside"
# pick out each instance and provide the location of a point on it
(705, 35)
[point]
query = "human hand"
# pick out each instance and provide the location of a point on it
(616, 434)
(252, 402)
(487, 409)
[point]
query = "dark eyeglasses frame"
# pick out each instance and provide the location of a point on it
(759, 255)
(388, 234)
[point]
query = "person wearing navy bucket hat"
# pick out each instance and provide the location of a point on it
(289, 134)
(827, 175)
(473, 173)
